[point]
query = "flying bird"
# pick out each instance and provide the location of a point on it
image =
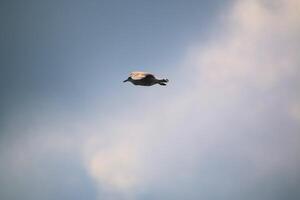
(145, 79)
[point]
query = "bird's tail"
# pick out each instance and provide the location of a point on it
(163, 81)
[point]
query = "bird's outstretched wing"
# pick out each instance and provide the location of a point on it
(140, 75)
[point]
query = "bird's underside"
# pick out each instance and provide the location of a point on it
(147, 81)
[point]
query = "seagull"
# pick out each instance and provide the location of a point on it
(145, 79)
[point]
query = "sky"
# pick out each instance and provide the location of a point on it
(227, 125)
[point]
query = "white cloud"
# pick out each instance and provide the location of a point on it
(115, 166)
(227, 126)
(258, 46)
(235, 75)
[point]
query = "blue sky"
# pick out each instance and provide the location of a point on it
(226, 126)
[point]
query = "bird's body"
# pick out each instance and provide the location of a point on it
(145, 79)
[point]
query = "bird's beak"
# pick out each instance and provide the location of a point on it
(125, 80)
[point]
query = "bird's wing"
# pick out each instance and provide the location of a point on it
(149, 76)
(140, 75)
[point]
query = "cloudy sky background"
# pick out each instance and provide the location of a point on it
(227, 126)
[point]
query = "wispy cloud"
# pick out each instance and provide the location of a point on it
(230, 108)
(226, 126)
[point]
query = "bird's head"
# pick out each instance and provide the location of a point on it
(128, 79)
